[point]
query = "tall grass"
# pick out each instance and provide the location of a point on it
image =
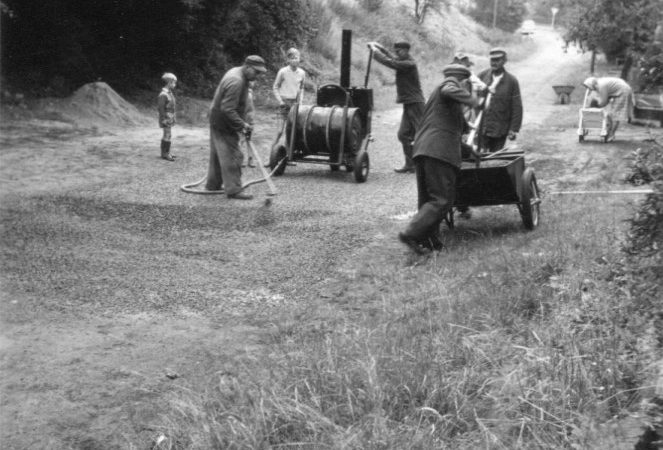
(520, 349)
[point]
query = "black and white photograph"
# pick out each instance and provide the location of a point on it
(331, 224)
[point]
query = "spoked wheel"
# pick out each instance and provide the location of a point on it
(530, 200)
(278, 159)
(361, 166)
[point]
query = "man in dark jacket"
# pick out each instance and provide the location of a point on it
(227, 120)
(437, 157)
(503, 114)
(408, 92)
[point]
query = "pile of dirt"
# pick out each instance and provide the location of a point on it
(98, 104)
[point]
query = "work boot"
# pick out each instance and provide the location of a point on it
(241, 196)
(165, 151)
(405, 169)
(412, 243)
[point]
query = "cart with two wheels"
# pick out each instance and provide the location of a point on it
(498, 178)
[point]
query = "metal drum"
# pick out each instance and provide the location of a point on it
(318, 130)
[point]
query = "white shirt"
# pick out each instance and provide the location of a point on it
(288, 83)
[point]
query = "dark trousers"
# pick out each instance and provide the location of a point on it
(436, 187)
(412, 113)
(225, 163)
(492, 144)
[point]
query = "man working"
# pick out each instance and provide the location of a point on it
(503, 114)
(408, 92)
(617, 95)
(437, 159)
(227, 120)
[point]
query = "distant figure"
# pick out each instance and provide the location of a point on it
(166, 105)
(227, 120)
(503, 114)
(289, 83)
(408, 92)
(617, 96)
(437, 156)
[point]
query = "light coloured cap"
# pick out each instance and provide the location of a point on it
(256, 62)
(462, 58)
(497, 53)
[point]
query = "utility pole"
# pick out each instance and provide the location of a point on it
(554, 13)
(495, 13)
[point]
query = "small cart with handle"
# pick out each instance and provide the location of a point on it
(592, 120)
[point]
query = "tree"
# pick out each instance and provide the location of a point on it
(423, 7)
(509, 13)
(615, 27)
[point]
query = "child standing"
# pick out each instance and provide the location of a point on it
(288, 83)
(166, 103)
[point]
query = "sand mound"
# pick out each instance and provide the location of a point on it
(98, 104)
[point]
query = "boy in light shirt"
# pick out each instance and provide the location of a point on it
(288, 83)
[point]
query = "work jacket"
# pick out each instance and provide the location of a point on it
(408, 86)
(443, 122)
(505, 111)
(228, 109)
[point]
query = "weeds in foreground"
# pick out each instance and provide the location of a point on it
(519, 349)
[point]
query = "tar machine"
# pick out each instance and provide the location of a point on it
(334, 132)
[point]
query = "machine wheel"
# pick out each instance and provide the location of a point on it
(279, 154)
(529, 200)
(361, 166)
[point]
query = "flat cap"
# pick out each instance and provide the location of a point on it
(462, 58)
(456, 71)
(256, 62)
(497, 53)
(402, 44)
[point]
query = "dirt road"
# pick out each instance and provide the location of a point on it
(91, 342)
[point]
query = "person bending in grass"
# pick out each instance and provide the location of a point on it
(437, 157)
(166, 104)
(617, 96)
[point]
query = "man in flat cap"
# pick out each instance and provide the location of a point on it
(227, 120)
(408, 92)
(503, 114)
(437, 157)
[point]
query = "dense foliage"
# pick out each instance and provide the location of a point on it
(509, 17)
(59, 44)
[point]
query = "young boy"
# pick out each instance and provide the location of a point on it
(166, 103)
(288, 83)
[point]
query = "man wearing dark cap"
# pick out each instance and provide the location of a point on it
(437, 157)
(408, 92)
(503, 114)
(227, 120)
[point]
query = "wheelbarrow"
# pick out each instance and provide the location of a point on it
(592, 119)
(498, 178)
(563, 92)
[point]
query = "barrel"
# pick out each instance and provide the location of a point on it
(318, 130)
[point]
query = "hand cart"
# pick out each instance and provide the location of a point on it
(498, 178)
(592, 119)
